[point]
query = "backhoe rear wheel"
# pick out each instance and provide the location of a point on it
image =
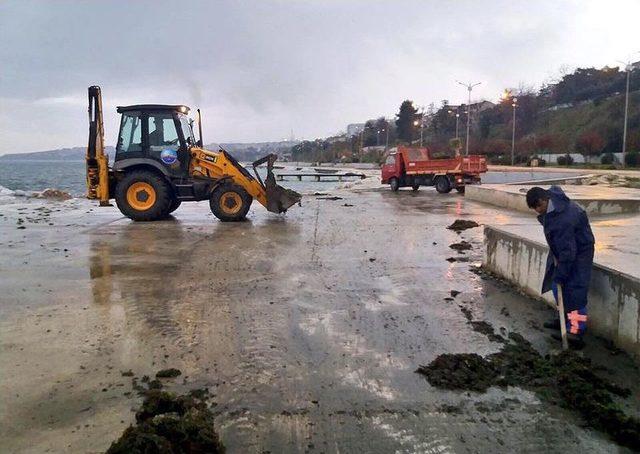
(143, 195)
(230, 202)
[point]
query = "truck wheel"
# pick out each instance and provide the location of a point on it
(143, 195)
(443, 185)
(394, 184)
(175, 204)
(415, 187)
(230, 202)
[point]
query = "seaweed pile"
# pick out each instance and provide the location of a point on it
(461, 224)
(565, 379)
(170, 423)
(461, 246)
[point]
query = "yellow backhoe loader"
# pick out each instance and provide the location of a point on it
(159, 164)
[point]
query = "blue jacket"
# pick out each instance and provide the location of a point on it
(570, 241)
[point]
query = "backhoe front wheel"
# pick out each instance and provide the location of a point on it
(143, 195)
(230, 202)
(175, 204)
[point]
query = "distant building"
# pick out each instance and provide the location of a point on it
(482, 106)
(354, 129)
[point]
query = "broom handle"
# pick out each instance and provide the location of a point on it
(563, 323)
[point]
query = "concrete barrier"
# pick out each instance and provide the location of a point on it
(614, 297)
(510, 198)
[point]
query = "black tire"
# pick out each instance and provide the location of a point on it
(175, 204)
(460, 189)
(443, 185)
(415, 187)
(230, 202)
(146, 188)
(394, 184)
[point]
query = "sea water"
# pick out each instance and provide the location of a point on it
(69, 176)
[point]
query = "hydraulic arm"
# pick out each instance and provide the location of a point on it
(97, 161)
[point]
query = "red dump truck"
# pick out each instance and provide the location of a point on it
(413, 167)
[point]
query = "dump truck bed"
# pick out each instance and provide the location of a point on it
(418, 161)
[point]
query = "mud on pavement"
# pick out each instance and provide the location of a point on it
(306, 343)
(566, 378)
(460, 225)
(170, 423)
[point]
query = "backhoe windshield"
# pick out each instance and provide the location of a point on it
(187, 132)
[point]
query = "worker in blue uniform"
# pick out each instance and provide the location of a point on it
(571, 246)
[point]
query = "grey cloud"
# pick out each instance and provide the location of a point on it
(260, 68)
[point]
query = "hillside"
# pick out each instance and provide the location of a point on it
(582, 113)
(61, 154)
(253, 151)
(241, 151)
(588, 127)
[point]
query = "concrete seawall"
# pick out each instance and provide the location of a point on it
(509, 196)
(614, 297)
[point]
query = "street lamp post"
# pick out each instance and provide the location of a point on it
(626, 114)
(415, 123)
(421, 124)
(469, 87)
(386, 146)
(627, 68)
(514, 104)
(457, 118)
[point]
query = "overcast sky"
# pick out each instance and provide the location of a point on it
(260, 69)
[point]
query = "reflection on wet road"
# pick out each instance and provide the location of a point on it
(307, 328)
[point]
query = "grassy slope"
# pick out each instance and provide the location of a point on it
(570, 123)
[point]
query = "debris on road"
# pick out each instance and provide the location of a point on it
(461, 224)
(566, 379)
(457, 259)
(466, 371)
(487, 329)
(55, 194)
(481, 326)
(461, 246)
(168, 373)
(170, 423)
(335, 197)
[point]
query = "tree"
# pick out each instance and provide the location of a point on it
(369, 133)
(590, 144)
(408, 114)
(456, 145)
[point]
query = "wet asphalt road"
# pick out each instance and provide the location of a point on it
(307, 328)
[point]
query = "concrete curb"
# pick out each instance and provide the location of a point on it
(614, 297)
(517, 201)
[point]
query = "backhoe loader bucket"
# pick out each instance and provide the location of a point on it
(279, 199)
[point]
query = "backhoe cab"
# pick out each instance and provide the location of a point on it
(159, 164)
